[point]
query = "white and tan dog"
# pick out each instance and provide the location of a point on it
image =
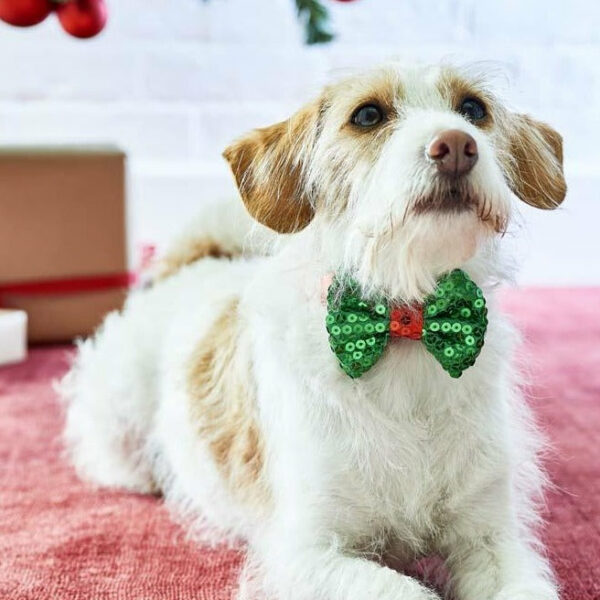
(217, 386)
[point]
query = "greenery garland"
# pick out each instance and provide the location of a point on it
(316, 21)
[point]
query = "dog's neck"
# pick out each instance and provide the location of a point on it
(314, 254)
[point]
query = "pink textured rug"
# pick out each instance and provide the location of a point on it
(62, 540)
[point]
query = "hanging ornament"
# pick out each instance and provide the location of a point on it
(82, 18)
(24, 13)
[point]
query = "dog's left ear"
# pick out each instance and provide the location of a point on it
(536, 169)
(269, 168)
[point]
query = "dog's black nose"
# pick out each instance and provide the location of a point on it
(454, 152)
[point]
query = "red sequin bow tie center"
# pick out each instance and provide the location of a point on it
(407, 322)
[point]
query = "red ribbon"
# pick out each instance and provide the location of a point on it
(69, 285)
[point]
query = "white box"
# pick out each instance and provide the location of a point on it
(13, 336)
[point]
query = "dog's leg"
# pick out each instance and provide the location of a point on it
(499, 566)
(109, 404)
(326, 573)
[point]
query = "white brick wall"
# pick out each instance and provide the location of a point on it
(172, 81)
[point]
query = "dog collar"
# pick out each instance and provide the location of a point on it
(451, 322)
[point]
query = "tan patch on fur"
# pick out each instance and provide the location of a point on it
(267, 165)
(223, 408)
(383, 89)
(188, 252)
(535, 167)
(354, 144)
(455, 89)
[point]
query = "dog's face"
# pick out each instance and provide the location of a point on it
(408, 172)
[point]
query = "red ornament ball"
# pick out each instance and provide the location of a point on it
(24, 13)
(82, 18)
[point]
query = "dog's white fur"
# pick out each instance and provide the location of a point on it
(402, 462)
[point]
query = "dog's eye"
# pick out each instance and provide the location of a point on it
(473, 109)
(367, 115)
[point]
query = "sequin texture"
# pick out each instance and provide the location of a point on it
(451, 323)
(358, 329)
(406, 321)
(454, 331)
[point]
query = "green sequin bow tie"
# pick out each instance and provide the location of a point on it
(451, 323)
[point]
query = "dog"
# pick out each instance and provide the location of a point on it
(222, 387)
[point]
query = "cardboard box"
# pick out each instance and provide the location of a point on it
(62, 237)
(13, 336)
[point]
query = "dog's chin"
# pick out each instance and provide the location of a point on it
(444, 241)
(405, 264)
(441, 231)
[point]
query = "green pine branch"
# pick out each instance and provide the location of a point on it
(315, 18)
(316, 21)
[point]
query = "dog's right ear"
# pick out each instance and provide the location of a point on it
(269, 168)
